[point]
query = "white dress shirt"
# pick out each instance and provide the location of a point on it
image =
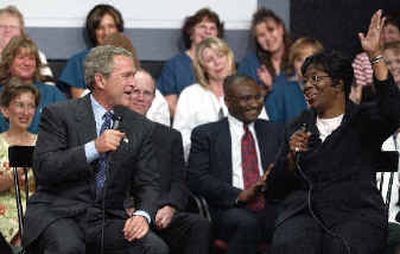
(159, 111)
(198, 105)
(236, 129)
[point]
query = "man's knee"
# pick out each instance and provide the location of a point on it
(153, 244)
(62, 237)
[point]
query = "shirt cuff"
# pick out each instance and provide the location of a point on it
(144, 214)
(91, 152)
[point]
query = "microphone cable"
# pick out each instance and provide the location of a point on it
(116, 124)
(310, 209)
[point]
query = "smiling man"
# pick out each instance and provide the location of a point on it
(85, 169)
(228, 165)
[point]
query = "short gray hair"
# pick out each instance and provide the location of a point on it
(101, 60)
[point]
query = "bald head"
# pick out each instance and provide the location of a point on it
(143, 92)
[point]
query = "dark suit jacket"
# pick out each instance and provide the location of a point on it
(171, 165)
(210, 160)
(342, 169)
(65, 181)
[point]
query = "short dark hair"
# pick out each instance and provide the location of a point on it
(191, 21)
(233, 80)
(94, 17)
(14, 88)
(337, 65)
(393, 18)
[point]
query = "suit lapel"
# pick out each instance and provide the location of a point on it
(85, 120)
(223, 147)
(262, 136)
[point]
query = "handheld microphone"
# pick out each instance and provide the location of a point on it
(117, 122)
(303, 127)
(116, 125)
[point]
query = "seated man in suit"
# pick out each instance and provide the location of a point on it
(85, 169)
(183, 232)
(228, 165)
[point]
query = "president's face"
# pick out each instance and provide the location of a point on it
(118, 86)
(245, 101)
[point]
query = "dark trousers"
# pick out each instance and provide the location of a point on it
(187, 233)
(244, 229)
(69, 235)
(302, 234)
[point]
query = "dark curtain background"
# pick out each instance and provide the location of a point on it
(336, 22)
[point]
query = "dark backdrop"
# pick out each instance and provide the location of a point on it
(336, 22)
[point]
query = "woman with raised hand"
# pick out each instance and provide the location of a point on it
(325, 173)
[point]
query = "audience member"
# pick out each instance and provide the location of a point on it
(102, 20)
(302, 48)
(228, 166)
(20, 59)
(85, 170)
(269, 63)
(392, 56)
(292, 101)
(184, 232)
(203, 102)
(328, 161)
(11, 25)
(18, 103)
(178, 72)
(361, 65)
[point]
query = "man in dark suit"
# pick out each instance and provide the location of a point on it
(229, 162)
(85, 170)
(183, 232)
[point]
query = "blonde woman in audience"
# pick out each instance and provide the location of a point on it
(302, 48)
(18, 104)
(203, 102)
(11, 25)
(178, 72)
(20, 59)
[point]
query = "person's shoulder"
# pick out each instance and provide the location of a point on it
(179, 58)
(213, 127)
(131, 117)
(162, 129)
(250, 57)
(79, 55)
(192, 90)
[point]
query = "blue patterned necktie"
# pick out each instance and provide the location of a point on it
(103, 159)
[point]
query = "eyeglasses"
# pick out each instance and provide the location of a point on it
(10, 27)
(315, 79)
(146, 94)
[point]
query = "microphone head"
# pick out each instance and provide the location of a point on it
(117, 122)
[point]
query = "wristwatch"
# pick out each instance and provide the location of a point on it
(239, 203)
